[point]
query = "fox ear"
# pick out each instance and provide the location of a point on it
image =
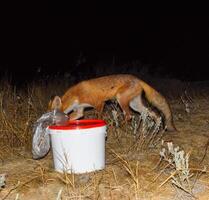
(56, 103)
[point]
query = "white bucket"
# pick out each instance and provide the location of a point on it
(78, 147)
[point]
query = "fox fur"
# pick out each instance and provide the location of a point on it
(125, 88)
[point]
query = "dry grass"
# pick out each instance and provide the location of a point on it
(132, 150)
(20, 108)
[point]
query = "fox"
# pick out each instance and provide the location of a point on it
(127, 89)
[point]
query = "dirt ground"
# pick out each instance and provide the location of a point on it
(130, 172)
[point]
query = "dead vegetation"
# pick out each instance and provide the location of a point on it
(137, 166)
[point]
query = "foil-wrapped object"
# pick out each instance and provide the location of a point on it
(41, 139)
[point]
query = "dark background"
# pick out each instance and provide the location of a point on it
(166, 46)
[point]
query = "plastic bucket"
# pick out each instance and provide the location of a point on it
(79, 146)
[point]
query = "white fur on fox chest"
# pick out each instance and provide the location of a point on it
(75, 106)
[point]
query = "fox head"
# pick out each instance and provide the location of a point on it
(55, 103)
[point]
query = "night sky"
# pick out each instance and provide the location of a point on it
(179, 45)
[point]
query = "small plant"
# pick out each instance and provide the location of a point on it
(132, 170)
(146, 130)
(2, 180)
(178, 164)
(188, 102)
(115, 117)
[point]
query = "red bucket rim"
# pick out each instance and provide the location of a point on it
(80, 124)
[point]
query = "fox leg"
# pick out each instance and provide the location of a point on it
(125, 108)
(137, 105)
(99, 109)
(123, 97)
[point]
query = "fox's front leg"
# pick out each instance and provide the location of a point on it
(99, 108)
(77, 113)
(124, 96)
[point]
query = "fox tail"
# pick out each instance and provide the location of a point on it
(157, 100)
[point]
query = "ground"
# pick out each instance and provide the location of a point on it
(131, 171)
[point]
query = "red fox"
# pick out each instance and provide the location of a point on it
(125, 88)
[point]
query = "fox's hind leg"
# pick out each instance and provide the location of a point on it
(124, 96)
(137, 105)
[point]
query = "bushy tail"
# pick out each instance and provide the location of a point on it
(157, 100)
